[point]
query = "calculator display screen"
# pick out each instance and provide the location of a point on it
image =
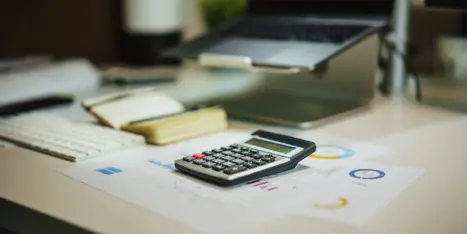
(270, 146)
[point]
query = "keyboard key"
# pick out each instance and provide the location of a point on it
(208, 164)
(249, 165)
(209, 158)
(238, 161)
(66, 139)
(228, 158)
(228, 164)
(259, 162)
(218, 161)
(189, 159)
(234, 170)
(218, 168)
(199, 156)
(199, 161)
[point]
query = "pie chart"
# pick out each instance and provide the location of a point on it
(339, 203)
(332, 152)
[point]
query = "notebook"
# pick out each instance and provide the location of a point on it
(157, 116)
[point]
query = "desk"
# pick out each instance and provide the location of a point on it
(422, 136)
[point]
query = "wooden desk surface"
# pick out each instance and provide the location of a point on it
(430, 138)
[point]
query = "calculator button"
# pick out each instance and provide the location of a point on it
(268, 159)
(208, 164)
(234, 146)
(188, 159)
(218, 155)
(256, 156)
(228, 153)
(209, 158)
(238, 161)
(263, 154)
(228, 158)
(228, 164)
(198, 161)
(247, 158)
(199, 156)
(254, 151)
(218, 161)
(234, 170)
(259, 162)
(225, 148)
(237, 155)
(244, 149)
(236, 150)
(249, 165)
(218, 168)
(208, 153)
(217, 150)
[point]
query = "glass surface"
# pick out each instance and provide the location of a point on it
(270, 146)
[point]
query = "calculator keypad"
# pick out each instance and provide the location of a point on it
(231, 159)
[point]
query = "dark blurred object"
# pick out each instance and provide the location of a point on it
(455, 4)
(148, 28)
(139, 76)
(145, 50)
(35, 104)
(62, 29)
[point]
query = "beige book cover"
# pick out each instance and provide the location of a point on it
(181, 126)
(119, 109)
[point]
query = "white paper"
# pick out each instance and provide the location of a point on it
(357, 193)
(56, 78)
(334, 152)
(146, 177)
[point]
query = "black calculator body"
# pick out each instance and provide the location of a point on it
(260, 155)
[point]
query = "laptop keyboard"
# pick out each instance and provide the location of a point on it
(297, 32)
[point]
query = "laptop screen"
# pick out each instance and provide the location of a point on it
(354, 7)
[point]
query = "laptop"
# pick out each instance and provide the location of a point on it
(300, 34)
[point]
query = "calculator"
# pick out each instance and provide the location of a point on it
(262, 154)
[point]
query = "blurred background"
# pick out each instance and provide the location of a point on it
(93, 29)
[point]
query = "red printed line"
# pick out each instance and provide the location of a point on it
(258, 184)
(272, 188)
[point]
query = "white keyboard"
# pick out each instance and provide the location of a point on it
(59, 137)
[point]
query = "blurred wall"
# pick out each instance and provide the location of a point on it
(84, 28)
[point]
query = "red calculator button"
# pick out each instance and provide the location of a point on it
(199, 156)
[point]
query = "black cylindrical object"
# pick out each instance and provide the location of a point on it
(149, 27)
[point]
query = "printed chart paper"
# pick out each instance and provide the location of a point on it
(355, 194)
(334, 152)
(352, 193)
